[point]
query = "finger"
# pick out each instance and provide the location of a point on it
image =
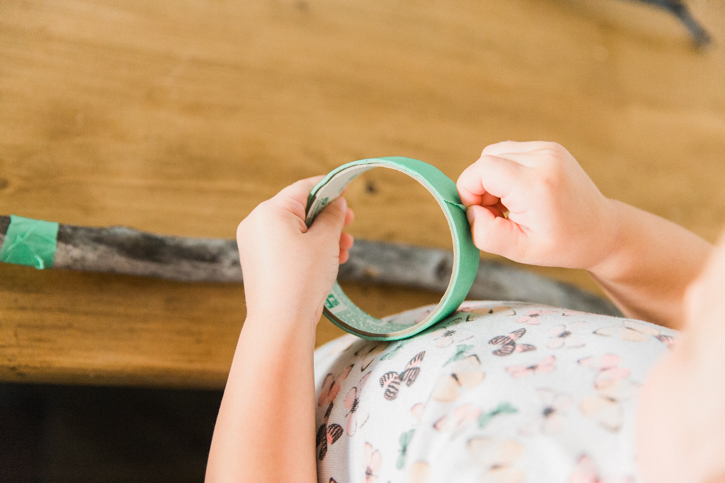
(299, 190)
(349, 217)
(346, 241)
(487, 179)
(330, 221)
(495, 234)
(344, 256)
(487, 199)
(293, 198)
(506, 147)
(495, 210)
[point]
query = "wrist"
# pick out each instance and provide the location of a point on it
(281, 303)
(279, 328)
(281, 313)
(612, 237)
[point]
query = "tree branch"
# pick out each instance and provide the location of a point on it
(131, 252)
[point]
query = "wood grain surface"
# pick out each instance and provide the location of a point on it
(179, 117)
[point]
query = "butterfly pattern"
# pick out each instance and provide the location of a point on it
(331, 386)
(327, 435)
(586, 472)
(488, 393)
(550, 415)
(503, 408)
(391, 381)
(498, 459)
(404, 440)
(607, 369)
(635, 331)
(355, 415)
(509, 345)
(477, 311)
(465, 374)
(544, 366)
(565, 336)
(368, 352)
(373, 460)
(446, 336)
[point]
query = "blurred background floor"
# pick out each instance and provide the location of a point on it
(180, 117)
(104, 434)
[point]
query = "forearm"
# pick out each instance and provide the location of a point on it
(651, 263)
(265, 428)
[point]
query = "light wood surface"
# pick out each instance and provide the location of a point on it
(179, 117)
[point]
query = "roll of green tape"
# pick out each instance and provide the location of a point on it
(348, 316)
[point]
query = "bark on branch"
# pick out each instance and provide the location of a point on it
(131, 252)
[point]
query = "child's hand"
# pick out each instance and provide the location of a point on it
(556, 215)
(289, 269)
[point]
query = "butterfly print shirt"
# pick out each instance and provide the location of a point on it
(511, 402)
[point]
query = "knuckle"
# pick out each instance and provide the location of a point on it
(520, 249)
(550, 180)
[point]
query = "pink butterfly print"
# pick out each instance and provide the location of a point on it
(417, 411)
(327, 435)
(586, 472)
(422, 316)
(391, 380)
(449, 335)
(569, 313)
(607, 371)
(465, 374)
(532, 318)
(606, 406)
(498, 459)
(373, 460)
(352, 404)
(458, 418)
(477, 311)
(508, 343)
(634, 331)
(331, 386)
(544, 366)
(563, 336)
(551, 417)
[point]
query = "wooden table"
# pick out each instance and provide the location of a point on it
(179, 118)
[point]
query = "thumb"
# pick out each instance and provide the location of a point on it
(331, 220)
(495, 234)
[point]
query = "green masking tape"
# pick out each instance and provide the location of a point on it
(30, 242)
(343, 312)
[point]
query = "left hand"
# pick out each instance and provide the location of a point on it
(289, 269)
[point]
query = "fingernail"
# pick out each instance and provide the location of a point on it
(470, 214)
(343, 203)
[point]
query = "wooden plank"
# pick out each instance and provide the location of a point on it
(179, 118)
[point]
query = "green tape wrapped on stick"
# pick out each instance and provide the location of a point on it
(30, 242)
(340, 309)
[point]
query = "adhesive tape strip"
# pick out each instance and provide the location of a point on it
(30, 242)
(349, 317)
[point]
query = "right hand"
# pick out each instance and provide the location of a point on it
(556, 215)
